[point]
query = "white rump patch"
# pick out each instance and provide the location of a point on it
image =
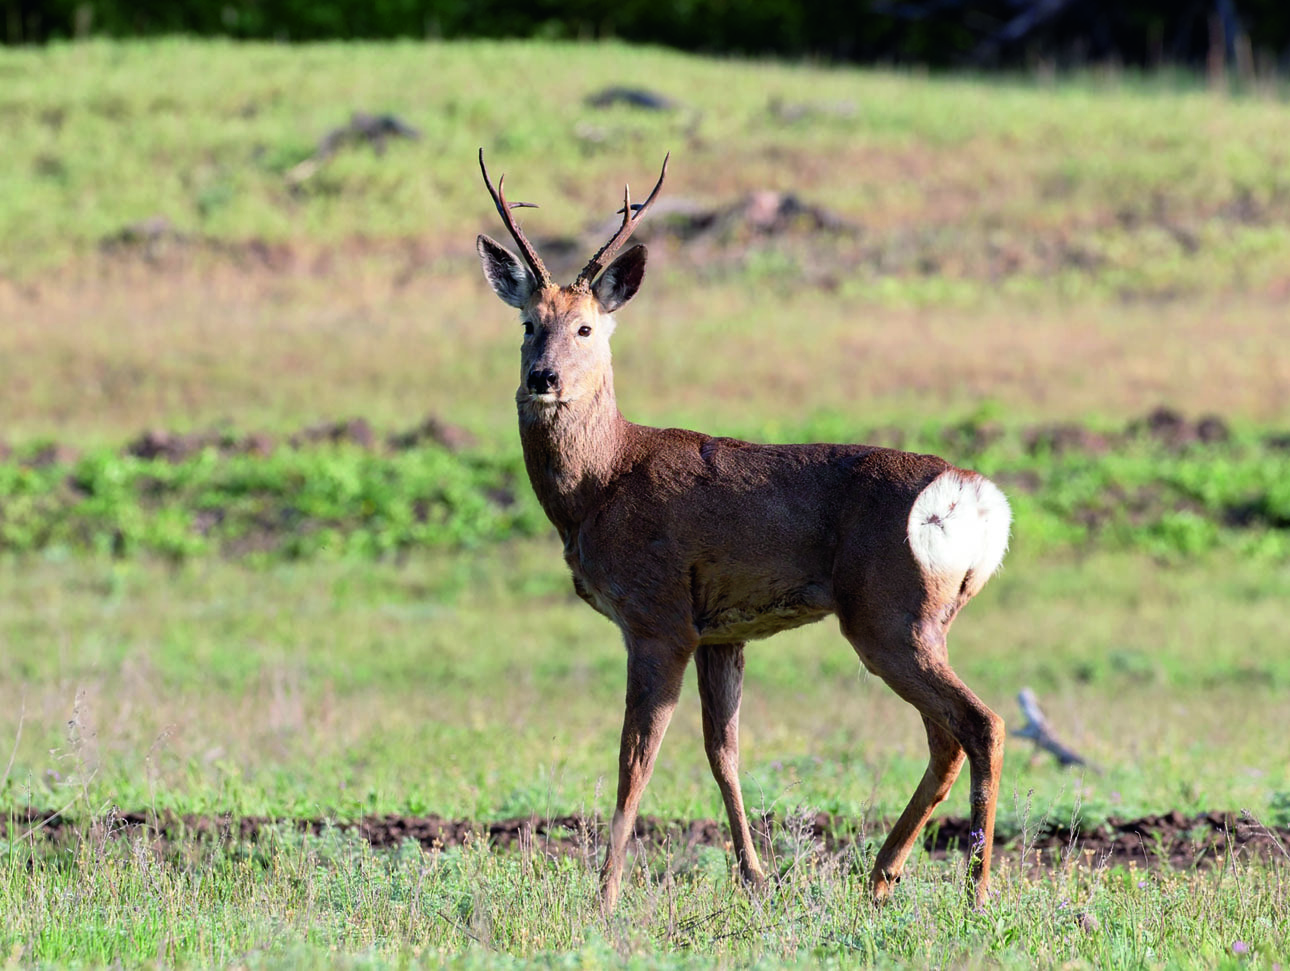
(958, 528)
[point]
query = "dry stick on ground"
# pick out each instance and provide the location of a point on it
(1266, 831)
(1037, 730)
(694, 545)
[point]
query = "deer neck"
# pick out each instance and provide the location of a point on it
(572, 450)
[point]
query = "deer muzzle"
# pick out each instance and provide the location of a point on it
(543, 381)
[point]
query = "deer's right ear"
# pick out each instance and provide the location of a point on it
(508, 277)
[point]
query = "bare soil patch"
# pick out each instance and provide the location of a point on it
(1168, 839)
(177, 446)
(1162, 426)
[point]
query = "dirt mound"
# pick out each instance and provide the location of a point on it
(1163, 426)
(1172, 839)
(811, 244)
(179, 446)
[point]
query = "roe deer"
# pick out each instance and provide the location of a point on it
(694, 545)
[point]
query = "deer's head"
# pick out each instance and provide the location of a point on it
(565, 355)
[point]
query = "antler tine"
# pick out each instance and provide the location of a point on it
(631, 216)
(504, 210)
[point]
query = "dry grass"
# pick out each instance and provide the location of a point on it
(97, 360)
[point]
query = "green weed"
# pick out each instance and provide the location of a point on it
(299, 901)
(348, 501)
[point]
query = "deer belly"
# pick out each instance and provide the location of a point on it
(751, 621)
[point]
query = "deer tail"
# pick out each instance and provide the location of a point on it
(958, 529)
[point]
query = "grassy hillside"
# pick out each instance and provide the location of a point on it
(103, 134)
(1094, 247)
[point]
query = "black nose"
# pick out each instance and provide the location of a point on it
(543, 382)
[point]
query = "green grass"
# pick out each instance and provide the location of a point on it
(478, 685)
(1121, 491)
(290, 504)
(331, 902)
(1113, 171)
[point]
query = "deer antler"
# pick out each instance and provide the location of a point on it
(631, 216)
(504, 210)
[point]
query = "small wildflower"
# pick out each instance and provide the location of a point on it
(1240, 947)
(1142, 884)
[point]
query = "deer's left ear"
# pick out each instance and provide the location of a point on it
(621, 280)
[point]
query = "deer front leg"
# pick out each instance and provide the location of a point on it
(721, 677)
(655, 669)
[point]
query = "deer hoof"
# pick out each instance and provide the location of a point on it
(881, 885)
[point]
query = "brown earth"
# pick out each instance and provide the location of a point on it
(716, 232)
(1169, 839)
(178, 447)
(1162, 426)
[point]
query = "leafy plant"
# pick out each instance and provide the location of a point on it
(347, 501)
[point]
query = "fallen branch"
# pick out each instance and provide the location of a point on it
(1037, 730)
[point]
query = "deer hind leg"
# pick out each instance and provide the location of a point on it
(915, 665)
(655, 669)
(721, 676)
(943, 765)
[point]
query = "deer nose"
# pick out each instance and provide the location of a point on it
(543, 381)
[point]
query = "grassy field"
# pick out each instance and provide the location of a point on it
(1015, 254)
(352, 688)
(337, 691)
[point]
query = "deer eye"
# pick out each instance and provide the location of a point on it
(528, 328)
(584, 331)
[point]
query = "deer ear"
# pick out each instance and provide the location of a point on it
(508, 277)
(621, 280)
